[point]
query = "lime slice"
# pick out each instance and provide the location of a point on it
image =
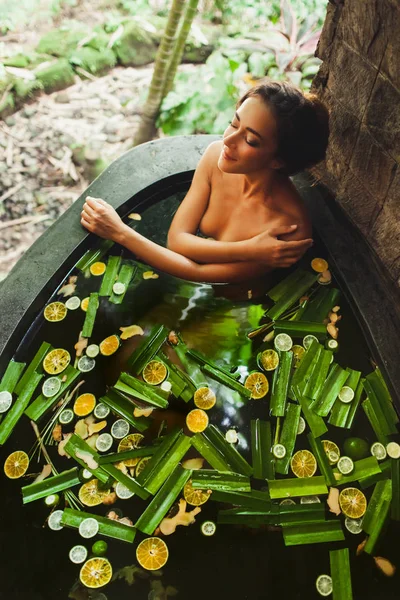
(119, 288)
(101, 411)
(92, 350)
(283, 342)
(287, 502)
(166, 386)
(51, 387)
(231, 436)
(85, 364)
(332, 345)
(88, 528)
(5, 401)
(66, 416)
(353, 525)
(310, 500)
(54, 520)
(78, 554)
(123, 492)
(104, 442)
(345, 465)
(346, 394)
(302, 426)
(208, 528)
(308, 340)
(73, 303)
(52, 500)
(333, 457)
(324, 585)
(86, 474)
(378, 450)
(120, 429)
(279, 450)
(393, 449)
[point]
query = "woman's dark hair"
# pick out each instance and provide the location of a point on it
(302, 124)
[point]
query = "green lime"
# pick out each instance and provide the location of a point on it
(356, 448)
(99, 548)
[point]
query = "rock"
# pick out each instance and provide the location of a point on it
(112, 138)
(10, 121)
(62, 98)
(29, 111)
(111, 127)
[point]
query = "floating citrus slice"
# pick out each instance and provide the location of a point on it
(92, 350)
(5, 401)
(51, 387)
(131, 441)
(283, 342)
(85, 304)
(78, 554)
(379, 451)
(269, 359)
(16, 465)
(319, 265)
(96, 572)
(84, 404)
(308, 340)
(345, 465)
(204, 398)
(258, 385)
(119, 288)
(346, 394)
(141, 464)
(86, 364)
(353, 525)
(303, 463)
(331, 450)
(56, 361)
(353, 503)
(73, 303)
(97, 268)
(101, 411)
(66, 416)
(154, 372)
(393, 450)
(123, 493)
(298, 353)
(90, 494)
(88, 528)
(197, 420)
(54, 520)
(109, 345)
(56, 311)
(324, 585)
(301, 427)
(195, 497)
(152, 553)
(279, 450)
(208, 528)
(120, 429)
(104, 442)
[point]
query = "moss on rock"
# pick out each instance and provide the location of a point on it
(136, 46)
(18, 60)
(60, 42)
(25, 90)
(55, 76)
(93, 60)
(7, 105)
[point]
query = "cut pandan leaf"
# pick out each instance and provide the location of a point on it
(283, 287)
(191, 366)
(219, 376)
(330, 391)
(110, 275)
(318, 375)
(300, 329)
(383, 408)
(378, 385)
(395, 473)
(280, 384)
(288, 437)
(152, 466)
(107, 527)
(305, 368)
(17, 409)
(375, 422)
(90, 315)
(11, 376)
(291, 295)
(314, 421)
(164, 499)
(237, 462)
(182, 384)
(342, 415)
(261, 443)
(131, 484)
(253, 500)
(125, 276)
(385, 473)
(201, 360)
(292, 488)
(341, 574)
(116, 457)
(320, 305)
(377, 514)
(168, 463)
(322, 459)
(57, 483)
(148, 348)
(41, 404)
(209, 479)
(271, 514)
(92, 256)
(80, 451)
(142, 390)
(123, 407)
(208, 451)
(313, 533)
(36, 364)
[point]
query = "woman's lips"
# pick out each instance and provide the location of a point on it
(227, 157)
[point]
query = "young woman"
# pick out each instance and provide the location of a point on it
(241, 196)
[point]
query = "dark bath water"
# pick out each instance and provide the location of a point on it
(237, 563)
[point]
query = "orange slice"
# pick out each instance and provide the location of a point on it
(84, 404)
(56, 311)
(197, 420)
(96, 572)
(85, 304)
(16, 464)
(130, 442)
(152, 553)
(97, 268)
(56, 361)
(154, 372)
(258, 385)
(204, 398)
(319, 265)
(109, 345)
(195, 497)
(353, 503)
(303, 463)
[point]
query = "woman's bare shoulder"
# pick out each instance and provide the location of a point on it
(294, 206)
(212, 153)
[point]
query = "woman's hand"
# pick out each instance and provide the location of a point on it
(267, 248)
(100, 218)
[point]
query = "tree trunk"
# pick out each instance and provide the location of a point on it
(152, 104)
(180, 45)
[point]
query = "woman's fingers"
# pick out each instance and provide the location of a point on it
(296, 247)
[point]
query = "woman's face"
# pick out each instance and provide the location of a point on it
(250, 139)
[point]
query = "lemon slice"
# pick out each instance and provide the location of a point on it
(204, 398)
(96, 572)
(54, 312)
(346, 394)
(86, 364)
(154, 372)
(152, 553)
(279, 450)
(345, 465)
(92, 350)
(119, 288)
(353, 525)
(352, 502)
(379, 451)
(101, 411)
(303, 464)
(104, 442)
(56, 361)
(66, 416)
(269, 359)
(97, 268)
(258, 385)
(195, 497)
(109, 345)
(393, 450)
(298, 353)
(123, 492)
(16, 465)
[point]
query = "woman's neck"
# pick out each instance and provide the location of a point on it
(259, 184)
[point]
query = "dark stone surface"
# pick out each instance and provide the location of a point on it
(360, 205)
(149, 170)
(383, 116)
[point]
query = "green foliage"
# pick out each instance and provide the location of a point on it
(56, 76)
(60, 42)
(24, 13)
(93, 60)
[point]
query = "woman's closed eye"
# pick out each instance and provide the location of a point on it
(250, 143)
